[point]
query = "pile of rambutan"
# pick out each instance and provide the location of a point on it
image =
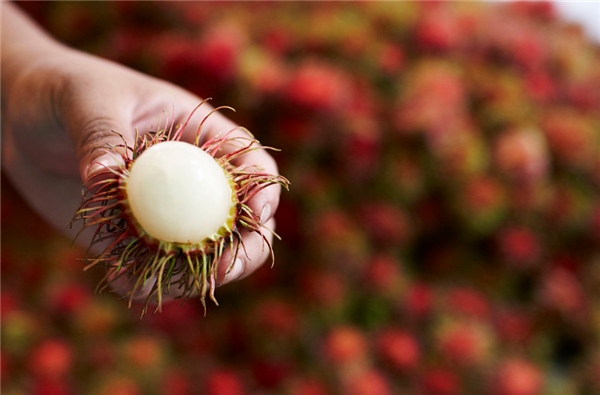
(441, 237)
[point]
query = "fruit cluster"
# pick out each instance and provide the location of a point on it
(441, 236)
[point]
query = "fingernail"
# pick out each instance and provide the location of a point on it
(236, 271)
(265, 213)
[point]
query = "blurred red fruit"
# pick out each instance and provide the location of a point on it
(369, 382)
(221, 382)
(522, 155)
(468, 302)
(440, 382)
(51, 359)
(419, 300)
(560, 290)
(318, 86)
(322, 288)
(218, 51)
(277, 317)
(383, 273)
(391, 59)
(270, 374)
(465, 343)
(399, 348)
(519, 246)
(47, 386)
(386, 223)
(307, 387)
(68, 298)
(345, 344)
(518, 377)
(514, 326)
(144, 352)
(439, 30)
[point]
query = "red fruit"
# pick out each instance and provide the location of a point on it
(176, 383)
(400, 349)
(144, 352)
(468, 302)
(51, 387)
(518, 377)
(439, 30)
(440, 382)
(514, 326)
(277, 40)
(483, 194)
(270, 374)
(465, 343)
(419, 300)
(277, 317)
(522, 155)
(323, 288)
(382, 273)
(544, 10)
(69, 298)
(8, 303)
(519, 246)
(221, 382)
(391, 59)
(570, 136)
(120, 386)
(218, 51)
(318, 86)
(369, 382)
(306, 386)
(345, 344)
(561, 291)
(51, 359)
(540, 86)
(386, 223)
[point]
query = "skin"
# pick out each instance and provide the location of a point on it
(59, 105)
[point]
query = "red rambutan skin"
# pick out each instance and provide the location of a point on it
(440, 381)
(318, 86)
(47, 386)
(419, 301)
(383, 274)
(560, 290)
(144, 352)
(367, 382)
(514, 326)
(399, 349)
(307, 386)
(467, 302)
(518, 377)
(223, 381)
(322, 288)
(277, 317)
(345, 345)
(465, 343)
(520, 247)
(176, 383)
(522, 155)
(386, 223)
(52, 359)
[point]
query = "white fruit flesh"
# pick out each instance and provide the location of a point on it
(178, 193)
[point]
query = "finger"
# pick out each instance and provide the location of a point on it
(92, 119)
(256, 252)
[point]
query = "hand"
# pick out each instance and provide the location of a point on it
(61, 107)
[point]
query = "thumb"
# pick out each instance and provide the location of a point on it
(99, 137)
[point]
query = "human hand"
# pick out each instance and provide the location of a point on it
(62, 107)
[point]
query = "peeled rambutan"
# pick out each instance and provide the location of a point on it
(168, 212)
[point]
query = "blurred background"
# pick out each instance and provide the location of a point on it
(440, 237)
